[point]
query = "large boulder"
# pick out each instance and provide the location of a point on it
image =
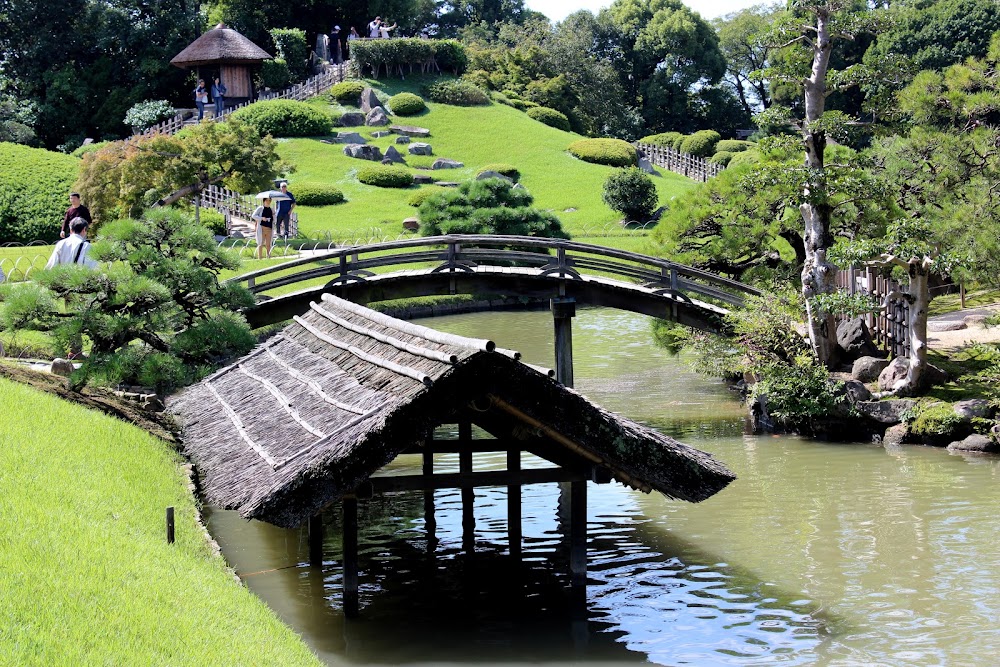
(953, 325)
(369, 100)
(423, 179)
(855, 340)
(445, 163)
(896, 371)
(392, 155)
(646, 166)
(363, 152)
(493, 174)
(350, 138)
(418, 148)
(885, 412)
(975, 443)
(62, 367)
(895, 435)
(867, 369)
(973, 408)
(411, 131)
(411, 224)
(377, 117)
(352, 119)
(402, 139)
(380, 133)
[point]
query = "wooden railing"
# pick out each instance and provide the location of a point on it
(232, 204)
(888, 327)
(685, 164)
(464, 253)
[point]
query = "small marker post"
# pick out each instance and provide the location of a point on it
(170, 525)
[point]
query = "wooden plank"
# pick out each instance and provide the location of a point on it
(472, 480)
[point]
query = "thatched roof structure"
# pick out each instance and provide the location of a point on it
(220, 46)
(311, 414)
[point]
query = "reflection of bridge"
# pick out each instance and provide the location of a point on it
(565, 271)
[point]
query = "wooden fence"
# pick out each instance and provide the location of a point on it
(688, 165)
(889, 328)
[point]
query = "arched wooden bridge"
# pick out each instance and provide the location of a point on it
(509, 265)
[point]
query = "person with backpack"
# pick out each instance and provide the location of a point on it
(74, 248)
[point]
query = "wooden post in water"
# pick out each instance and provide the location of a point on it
(563, 312)
(469, 494)
(170, 525)
(578, 534)
(350, 547)
(429, 520)
(316, 540)
(514, 503)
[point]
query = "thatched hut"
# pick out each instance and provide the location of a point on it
(225, 53)
(311, 416)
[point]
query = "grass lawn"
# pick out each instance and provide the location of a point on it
(17, 261)
(86, 575)
(974, 298)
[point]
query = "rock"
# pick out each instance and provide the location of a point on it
(646, 166)
(975, 443)
(867, 369)
(855, 340)
(975, 320)
(445, 163)
(896, 371)
(956, 325)
(411, 131)
(447, 184)
(369, 100)
(657, 214)
(417, 148)
(377, 117)
(885, 412)
(411, 224)
(402, 139)
(154, 404)
(895, 435)
(380, 133)
(392, 155)
(857, 391)
(423, 179)
(62, 367)
(352, 119)
(493, 174)
(972, 408)
(350, 138)
(363, 152)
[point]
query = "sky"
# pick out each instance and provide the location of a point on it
(557, 10)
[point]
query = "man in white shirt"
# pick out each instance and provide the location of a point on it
(373, 28)
(74, 248)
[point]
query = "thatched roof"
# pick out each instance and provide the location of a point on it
(220, 46)
(316, 410)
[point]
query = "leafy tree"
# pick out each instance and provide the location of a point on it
(743, 39)
(489, 206)
(155, 314)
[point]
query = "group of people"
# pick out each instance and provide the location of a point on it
(218, 96)
(265, 217)
(73, 245)
(379, 29)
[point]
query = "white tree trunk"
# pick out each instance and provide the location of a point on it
(918, 297)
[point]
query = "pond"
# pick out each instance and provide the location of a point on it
(844, 554)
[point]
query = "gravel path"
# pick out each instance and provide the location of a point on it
(951, 341)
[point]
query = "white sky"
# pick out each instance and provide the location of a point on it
(557, 10)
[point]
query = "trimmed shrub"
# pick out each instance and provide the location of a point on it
(390, 54)
(291, 47)
(733, 146)
(213, 221)
(285, 118)
(631, 192)
(678, 140)
(421, 195)
(34, 189)
(490, 206)
(147, 114)
(347, 92)
(721, 157)
(746, 157)
(384, 176)
(317, 195)
(274, 74)
(459, 93)
(89, 148)
(612, 152)
(550, 117)
(406, 104)
(508, 170)
(701, 143)
(667, 139)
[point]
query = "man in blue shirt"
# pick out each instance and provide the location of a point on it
(284, 210)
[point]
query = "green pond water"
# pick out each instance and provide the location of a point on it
(819, 554)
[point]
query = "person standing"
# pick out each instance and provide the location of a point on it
(219, 96)
(73, 249)
(384, 30)
(373, 28)
(263, 218)
(336, 55)
(75, 210)
(284, 211)
(201, 98)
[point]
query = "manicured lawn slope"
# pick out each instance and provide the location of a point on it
(86, 575)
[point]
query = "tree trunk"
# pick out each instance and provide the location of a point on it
(918, 298)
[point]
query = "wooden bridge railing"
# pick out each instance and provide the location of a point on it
(685, 164)
(458, 253)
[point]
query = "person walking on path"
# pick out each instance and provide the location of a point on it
(74, 249)
(219, 97)
(201, 98)
(75, 210)
(336, 54)
(263, 218)
(284, 212)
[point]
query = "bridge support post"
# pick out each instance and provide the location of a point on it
(469, 494)
(316, 540)
(350, 548)
(563, 312)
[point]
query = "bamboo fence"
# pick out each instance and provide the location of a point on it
(685, 164)
(889, 327)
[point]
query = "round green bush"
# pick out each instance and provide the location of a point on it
(384, 176)
(733, 146)
(508, 170)
(721, 157)
(34, 192)
(347, 92)
(317, 195)
(418, 197)
(286, 118)
(667, 139)
(701, 143)
(550, 117)
(406, 104)
(212, 220)
(631, 192)
(459, 93)
(612, 152)
(746, 157)
(678, 140)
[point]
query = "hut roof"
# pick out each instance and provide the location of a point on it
(220, 46)
(311, 414)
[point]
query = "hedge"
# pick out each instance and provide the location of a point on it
(393, 54)
(275, 74)
(508, 170)
(34, 192)
(746, 157)
(406, 104)
(418, 197)
(733, 146)
(663, 139)
(721, 157)
(459, 93)
(286, 118)
(550, 117)
(384, 176)
(612, 152)
(678, 140)
(291, 46)
(701, 143)
(317, 195)
(348, 92)
(212, 220)
(89, 148)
